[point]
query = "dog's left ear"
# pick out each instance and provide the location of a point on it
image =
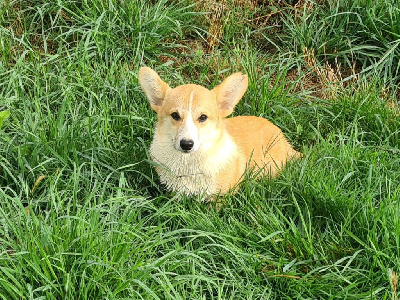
(153, 86)
(230, 91)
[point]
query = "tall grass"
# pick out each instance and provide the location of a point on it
(82, 213)
(359, 34)
(112, 31)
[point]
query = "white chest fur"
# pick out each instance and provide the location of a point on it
(192, 173)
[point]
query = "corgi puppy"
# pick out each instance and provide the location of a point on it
(197, 150)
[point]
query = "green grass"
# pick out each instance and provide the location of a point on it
(360, 33)
(82, 213)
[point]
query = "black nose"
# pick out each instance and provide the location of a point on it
(186, 145)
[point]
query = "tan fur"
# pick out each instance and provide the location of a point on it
(223, 147)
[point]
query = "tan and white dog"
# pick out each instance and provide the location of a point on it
(197, 149)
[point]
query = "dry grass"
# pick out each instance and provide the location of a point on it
(221, 11)
(216, 20)
(393, 282)
(328, 77)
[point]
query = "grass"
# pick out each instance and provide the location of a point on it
(359, 34)
(82, 213)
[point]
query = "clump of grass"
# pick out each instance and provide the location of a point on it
(360, 35)
(107, 31)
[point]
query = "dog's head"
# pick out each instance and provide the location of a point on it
(190, 115)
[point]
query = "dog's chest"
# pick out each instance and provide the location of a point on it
(189, 184)
(186, 174)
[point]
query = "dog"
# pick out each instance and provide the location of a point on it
(197, 149)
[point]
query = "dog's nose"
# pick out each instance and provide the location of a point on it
(186, 145)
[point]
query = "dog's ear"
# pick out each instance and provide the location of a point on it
(153, 86)
(230, 91)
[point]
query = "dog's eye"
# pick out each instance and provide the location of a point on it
(203, 118)
(175, 116)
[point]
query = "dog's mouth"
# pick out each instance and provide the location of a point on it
(187, 151)
(180, 150)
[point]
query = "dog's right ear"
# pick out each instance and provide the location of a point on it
(153, 86)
